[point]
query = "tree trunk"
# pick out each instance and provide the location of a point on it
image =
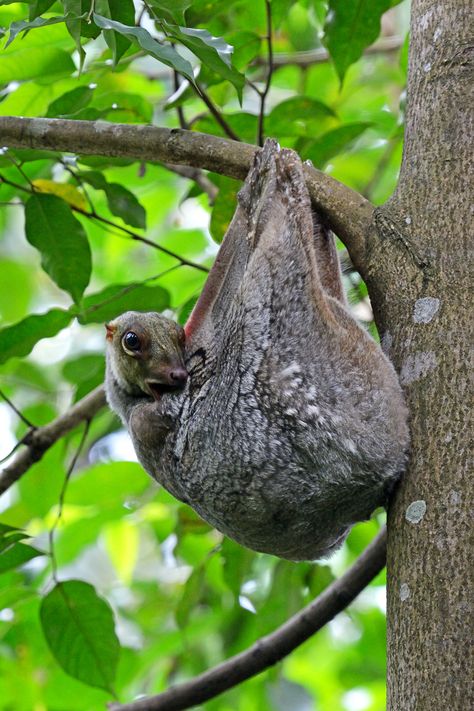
(418, 279)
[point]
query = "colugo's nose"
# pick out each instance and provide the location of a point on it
(179, 375)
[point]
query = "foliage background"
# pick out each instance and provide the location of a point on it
(183, 598)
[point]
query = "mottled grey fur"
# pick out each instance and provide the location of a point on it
(292, 425)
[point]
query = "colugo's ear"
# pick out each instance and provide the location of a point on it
(110, 329)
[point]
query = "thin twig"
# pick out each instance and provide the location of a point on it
(318, 56)
(228, 130)
(139, 238)
(19, 168)
(125, 230)
(17, 411)
(41, 439)
(61, 498)
(263, 95)
(199, 178)
(269, 650)
(179, 109)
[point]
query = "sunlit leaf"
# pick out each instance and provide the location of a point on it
(62, 242)
(171, 10)
(162, 52)
(213, 51)
(69, 193)
(79, 628)
(121, 543)
(24, 63)
(23, 25)
(19, 339)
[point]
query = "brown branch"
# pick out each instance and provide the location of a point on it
(199, 178)
(269, 650)
(318, 56)
(39, 440)
(348, 213)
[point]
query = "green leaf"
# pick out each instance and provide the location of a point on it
(73, 24)
(321, 149)
(121, 201)
(85, 372)
(70, 102)
(16, 554)
(294, 116)
(214, 52)
(79, 628)
(163, 53)
(224, 207)
(39, 7)
(51, 227)
(111, 302)
(246, 47)
(171, 10)
(351, 26)
(25, 63)
(191, 595)
(20, 338)
(123, 11)
(23, 25)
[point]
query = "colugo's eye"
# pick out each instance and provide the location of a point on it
(131, 341)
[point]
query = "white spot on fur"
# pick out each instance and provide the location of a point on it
(312, 410)
(408, 220)
(417, 366)
(437, 34)
(425, 309)
(311, 394)
(415, 511)
(427, 67)
(291, 369)
(404, 592)
(291, 411)
(350, 446)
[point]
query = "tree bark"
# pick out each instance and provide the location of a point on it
(418, 281)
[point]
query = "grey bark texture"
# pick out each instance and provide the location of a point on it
(418, 276)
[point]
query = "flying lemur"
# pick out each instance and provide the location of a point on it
(273, 414)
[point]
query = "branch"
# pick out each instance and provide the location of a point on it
(269, 650)
(318, 56)
(40, 439)
(348, 213)
(199, 178)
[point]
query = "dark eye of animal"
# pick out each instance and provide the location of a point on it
(131, 341)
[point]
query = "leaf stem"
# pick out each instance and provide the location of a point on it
(263, 95)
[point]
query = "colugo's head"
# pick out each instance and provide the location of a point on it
(145, 352)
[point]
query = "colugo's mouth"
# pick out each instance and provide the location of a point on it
(159, 389)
